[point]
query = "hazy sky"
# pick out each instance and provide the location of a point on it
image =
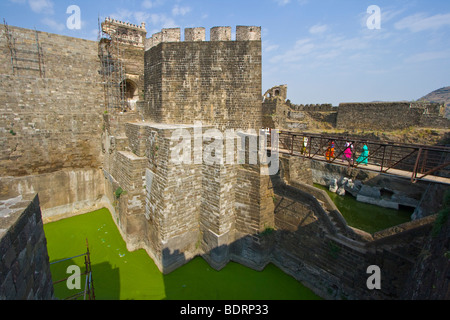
(323, 50)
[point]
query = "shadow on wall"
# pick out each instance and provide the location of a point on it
(322, 252)
(236, 280)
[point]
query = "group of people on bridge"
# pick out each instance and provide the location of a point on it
(348, 153)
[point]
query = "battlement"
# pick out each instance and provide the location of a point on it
(243, 33)
(194, 34)
(114, 22)
(125, 32)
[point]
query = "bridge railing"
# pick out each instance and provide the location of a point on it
(386, 157)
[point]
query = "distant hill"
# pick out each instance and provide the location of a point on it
(442, 96)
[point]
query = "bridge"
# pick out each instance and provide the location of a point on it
(415, 162)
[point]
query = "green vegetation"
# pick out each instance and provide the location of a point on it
(267, 231)
(367, 217)
(119, 191)
(122, 275)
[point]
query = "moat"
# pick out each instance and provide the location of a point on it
(122, 275)
(367, 217)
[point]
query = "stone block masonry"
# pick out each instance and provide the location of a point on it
(217, 82)
(389, 116)
(332, 258)
(181, 210)
(53, 122)
(24, 262)
(278, 112)
(61, 194)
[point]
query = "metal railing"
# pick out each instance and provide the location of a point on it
(419, 161)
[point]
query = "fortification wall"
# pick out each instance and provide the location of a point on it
(51, 122)
(217, 82)
(389, 116)
(24, 262)
(313, 107)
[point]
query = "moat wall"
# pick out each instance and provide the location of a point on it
(51, 122)
(62, 194)
(24, 262)
(313, 243)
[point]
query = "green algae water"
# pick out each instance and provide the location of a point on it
(367, 217)
(122, 275)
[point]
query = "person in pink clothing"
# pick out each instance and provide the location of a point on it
(348, 152)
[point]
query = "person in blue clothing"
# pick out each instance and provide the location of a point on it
(363, 158)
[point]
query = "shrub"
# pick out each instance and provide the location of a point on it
(119, 191)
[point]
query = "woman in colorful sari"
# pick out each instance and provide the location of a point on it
(348, 152)
(363, 158)
(329, 155)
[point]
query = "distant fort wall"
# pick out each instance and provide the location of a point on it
(387, 116)
(390, 116)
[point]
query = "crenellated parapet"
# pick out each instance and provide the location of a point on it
(243, 33)
(125, 32)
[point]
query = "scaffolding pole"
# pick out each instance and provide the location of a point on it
(112, 71)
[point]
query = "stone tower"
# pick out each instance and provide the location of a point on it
(177, 203)
(129, 42)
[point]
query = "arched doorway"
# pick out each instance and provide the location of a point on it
(130, 93)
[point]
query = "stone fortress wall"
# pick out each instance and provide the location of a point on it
(217, 82)
(390, 116)
(51, 121)
(63, 146)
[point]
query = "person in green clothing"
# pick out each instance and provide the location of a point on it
(363, 158)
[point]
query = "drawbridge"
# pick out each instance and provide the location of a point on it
(414, 162)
